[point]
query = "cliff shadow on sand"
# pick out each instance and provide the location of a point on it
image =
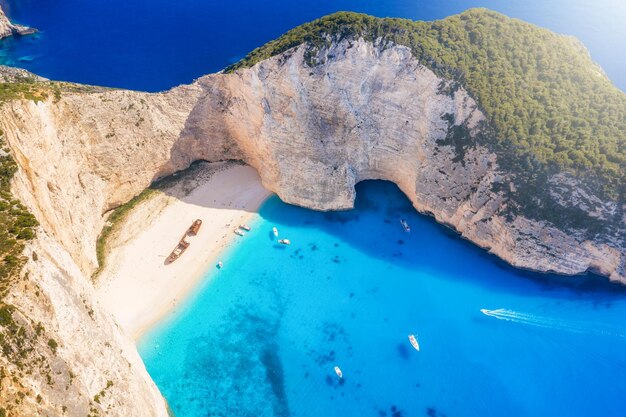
(344, 99)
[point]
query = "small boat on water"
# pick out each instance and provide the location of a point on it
(338, 372)
(245, 227)
(413, 341)
(220, 265)
(405, 225)
(285, 241)
(239, 232)
(275, 231)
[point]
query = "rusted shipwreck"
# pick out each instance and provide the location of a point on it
(183, 244)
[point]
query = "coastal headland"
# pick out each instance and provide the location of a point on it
(523, 163)
(8, 28)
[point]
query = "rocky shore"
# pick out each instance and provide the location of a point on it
(7, 28)
(367, 111)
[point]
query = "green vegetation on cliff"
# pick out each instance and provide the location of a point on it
(17, 335)
(116, 217)
(16, 224)
(549, 106)
(16, 84)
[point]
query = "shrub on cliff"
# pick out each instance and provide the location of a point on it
(17, 224)
(546, 101)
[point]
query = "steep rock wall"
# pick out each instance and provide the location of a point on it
(79, 156)
(373, 112)
(79, 363)
(87, 153)
(9, 29)
(365, 112)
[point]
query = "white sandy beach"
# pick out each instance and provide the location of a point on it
(136, 286)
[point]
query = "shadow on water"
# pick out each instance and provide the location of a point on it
(182, 185)
(276, 377)
(430, 247)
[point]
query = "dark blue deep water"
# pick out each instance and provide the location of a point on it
(156, 44)
(261, 336)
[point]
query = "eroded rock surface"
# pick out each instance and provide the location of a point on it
(79, 363)
(366, 111)
(7, 28)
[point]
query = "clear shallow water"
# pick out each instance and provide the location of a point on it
(261, 336)
(156, 44)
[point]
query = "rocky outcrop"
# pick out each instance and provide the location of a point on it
(16, 75)
(373, 112)
(91, 152)
(367, 111)
(7, 28)
(76, 360)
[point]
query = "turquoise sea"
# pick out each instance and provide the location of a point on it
(262, 335)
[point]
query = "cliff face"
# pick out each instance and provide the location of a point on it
(74, 359)
(312, 133)
(9, 29)
(88, 152)
(367, 111)
(373, 112)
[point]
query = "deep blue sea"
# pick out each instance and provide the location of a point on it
(156, 44)
(262, 335)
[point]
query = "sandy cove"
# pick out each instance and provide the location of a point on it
(136, 286)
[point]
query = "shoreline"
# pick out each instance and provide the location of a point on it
(135, 286)
(194, 281)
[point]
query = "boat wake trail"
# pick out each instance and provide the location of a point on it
(557, 324)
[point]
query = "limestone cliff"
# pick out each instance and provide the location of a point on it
(373, 112)
(367, 110)
(72, 358)
(7, 28)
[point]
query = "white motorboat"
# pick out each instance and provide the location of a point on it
(405, 225)
(285, 241)
(245, 227)
(239, 232)
(414, 342)
(220, 265)
(338, 372)
(275, 231)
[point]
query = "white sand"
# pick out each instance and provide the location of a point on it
(136, 286)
